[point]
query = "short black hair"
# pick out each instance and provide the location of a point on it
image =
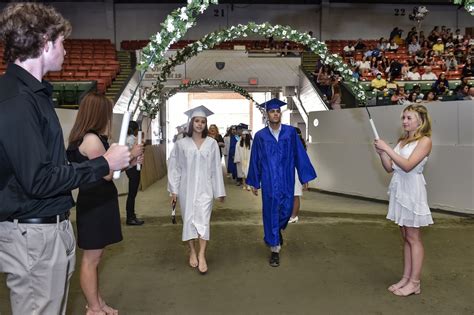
(132, 127)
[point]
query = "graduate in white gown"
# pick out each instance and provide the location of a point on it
(195, 178)
(242, 156)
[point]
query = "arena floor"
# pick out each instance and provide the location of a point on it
(339, 259)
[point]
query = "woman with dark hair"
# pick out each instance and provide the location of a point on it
(468, 69)
(242, 156)
(133, 175)
(298, 187)
(412, 97)
(324, 80)
(441, 85)
(195, 177)
(399, 96)
(98, 216)
(430, 97)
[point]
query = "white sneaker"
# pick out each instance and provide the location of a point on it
(293, 219)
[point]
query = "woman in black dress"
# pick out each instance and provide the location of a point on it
(98, 216)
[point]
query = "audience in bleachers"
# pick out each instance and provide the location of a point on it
(438, 47)
(450, 63)
(413, 74)
(399, 96)
(414, 46)
(441, 85)
(471, 93)
(463, 93)
(349, 49)
(428, 75)
(85, 60)
(323, 80)
(468, 68)
(378, 83)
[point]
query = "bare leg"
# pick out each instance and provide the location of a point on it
(89, 279)
(202, 256)
(296, 206)
(406, 263)
(193, 260)
(413, 237)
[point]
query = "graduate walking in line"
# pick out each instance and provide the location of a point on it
(195, 178)
(231, 167)
(276, 152)
(242, 156)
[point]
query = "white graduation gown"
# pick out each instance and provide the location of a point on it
(242, 157)
(196, 177)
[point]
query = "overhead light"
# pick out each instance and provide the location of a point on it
(253, 81)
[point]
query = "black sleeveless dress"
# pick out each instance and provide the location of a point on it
(98, 214)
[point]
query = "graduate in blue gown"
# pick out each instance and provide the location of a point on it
(276, 152)
(231, 167)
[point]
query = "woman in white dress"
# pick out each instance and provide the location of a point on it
(408, 205)
(195, 178)
(242, 157)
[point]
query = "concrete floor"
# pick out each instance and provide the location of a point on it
(338, 259)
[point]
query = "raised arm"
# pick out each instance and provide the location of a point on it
(423, 149)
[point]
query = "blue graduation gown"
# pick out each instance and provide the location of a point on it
(272, 168)
(231, 167)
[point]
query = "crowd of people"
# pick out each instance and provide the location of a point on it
(413, 58)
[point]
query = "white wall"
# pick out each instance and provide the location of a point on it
(350, 21)
(343, 154)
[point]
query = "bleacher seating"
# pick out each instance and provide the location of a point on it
(85, 60)
(250, 45)
(68, 94)
(88, 59)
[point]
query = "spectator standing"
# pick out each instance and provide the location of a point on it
(37, 179)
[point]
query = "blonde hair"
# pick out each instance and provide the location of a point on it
(424, 129)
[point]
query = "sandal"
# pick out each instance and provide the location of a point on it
(394, 287)
(94, 312)
(406, 291)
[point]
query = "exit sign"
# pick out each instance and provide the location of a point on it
(253, 81)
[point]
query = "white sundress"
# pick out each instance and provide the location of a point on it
(408, 204)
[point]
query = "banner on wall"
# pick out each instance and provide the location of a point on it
(174, 79)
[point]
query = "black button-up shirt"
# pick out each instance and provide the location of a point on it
(35, 177)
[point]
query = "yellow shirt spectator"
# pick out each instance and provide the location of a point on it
(378, 83)
(438, 48)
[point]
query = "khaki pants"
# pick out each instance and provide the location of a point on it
(39, 260)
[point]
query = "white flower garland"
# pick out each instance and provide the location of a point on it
(265, 29)
(175, 26)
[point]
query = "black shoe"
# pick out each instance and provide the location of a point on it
(281, 239)
(275, 259)
(134, 221)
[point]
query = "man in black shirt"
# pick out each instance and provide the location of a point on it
(37, 244)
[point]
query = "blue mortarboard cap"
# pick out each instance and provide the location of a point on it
(200, 111)
(243, 126)
(274, 103)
